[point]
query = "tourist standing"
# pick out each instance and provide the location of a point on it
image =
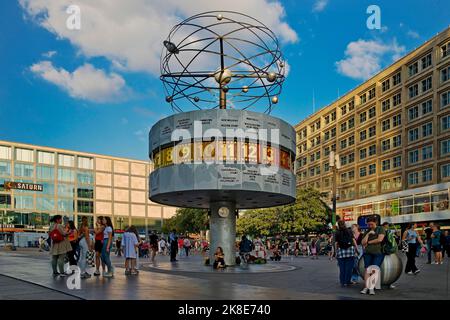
(330, 248)
(60, 245)
(130, 245)
(428, 232)
(358, 236)
(447, 244)
(173, 242)
(412, 238)
(108, 235)
(296, 247)
(162, 246)
(85, 245)
(154, 245)
(119, 247)
(98, 245)
(373, 254)
(73, 239)
(345, 253)
(313, 249)
(436, 244)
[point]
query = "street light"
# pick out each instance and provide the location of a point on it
(335, 164)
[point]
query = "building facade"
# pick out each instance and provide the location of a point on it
(392, 137)
(74, 184)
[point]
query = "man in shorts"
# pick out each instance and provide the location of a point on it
(373, 254)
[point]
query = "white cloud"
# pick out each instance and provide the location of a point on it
(130, 33)
(363, 58)
(319, 5)
(49, 54)
(413, 34)
(86, 82)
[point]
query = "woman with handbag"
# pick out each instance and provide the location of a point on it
(73, 239)
(85, 246)
(60, 245)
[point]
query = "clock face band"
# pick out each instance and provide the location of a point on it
(223, 152)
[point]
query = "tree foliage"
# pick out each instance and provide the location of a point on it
(187, 220)
(308, 213)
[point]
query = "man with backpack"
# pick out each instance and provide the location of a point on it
(245, 247)
(389, 244)
(345, 253)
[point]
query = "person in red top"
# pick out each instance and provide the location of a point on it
(180, 246)
(98, 245)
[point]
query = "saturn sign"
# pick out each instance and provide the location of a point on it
(23, 186)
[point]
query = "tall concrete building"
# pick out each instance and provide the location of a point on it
(74, 184)
(392, 136)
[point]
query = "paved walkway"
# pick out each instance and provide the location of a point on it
(311, 279)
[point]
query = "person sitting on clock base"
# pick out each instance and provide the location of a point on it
(219, 261)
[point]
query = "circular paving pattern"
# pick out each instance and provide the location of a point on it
(197, 266)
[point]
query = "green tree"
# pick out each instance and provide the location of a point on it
(187, 220)
(308, 213)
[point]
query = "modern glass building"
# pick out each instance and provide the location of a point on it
(75, 184)
(392, 136)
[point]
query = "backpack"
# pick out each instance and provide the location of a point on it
(345, 239)
(389, 244)
(56, 235)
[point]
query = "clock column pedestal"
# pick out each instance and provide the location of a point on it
(223, 231)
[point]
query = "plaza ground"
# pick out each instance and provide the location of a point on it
(26, 274)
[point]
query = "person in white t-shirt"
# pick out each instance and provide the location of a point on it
(108, 235)
(130, 244)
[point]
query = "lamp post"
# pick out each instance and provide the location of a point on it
(335, 164)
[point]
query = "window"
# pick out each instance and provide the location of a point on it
(327, 119)
(343, 160)
(372, 131)
(413, 156)
(362, 171)
(327, 135)
(85, 178)
(326, 167)
(397, 79)
(372, 112)
(344, 110)
(66, 205)
(427, 129)
(385, 85)
(351, 140)
(351, 158)
(45, 173)
(344, 127)
(372, 168)
(445, 147)
(427, 152)
(386, 165)
(385, 145)
(427, 175)
(445, 74)
(67, 175)
(351, 123)
(66, 160)
(362, 153)
(372, 150)
(45, 204)
(426, 61)
(362, 117)
(445, 50)
(362, 98)
(397, 141)
(427, 107)
(397, 120)
(5, 152)
(333, 132)
(397, 161)
(85, 206)
(5, 168)
(413, 91)
(351, 105)
(413, 178)
(46, 157)
(426, 84)
(362, 135)
(23, 202)
(326, 151)
(445, 98)
(372, 93)
(413, 134)
(413, 113)
(24, 155)
(445, 171)
(24, 170)
(386, 125)
(445, 123)
(66, 190)
(386, 105)
(397, 99)
(413, 69)
(333, 116)
(85, 163)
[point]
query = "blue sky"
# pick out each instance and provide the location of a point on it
(97, 89)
